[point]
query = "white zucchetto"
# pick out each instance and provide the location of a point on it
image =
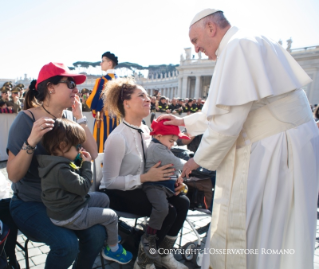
(204, 13)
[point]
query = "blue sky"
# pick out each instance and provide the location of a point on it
(147, 32)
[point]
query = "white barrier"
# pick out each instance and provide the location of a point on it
(7, 119)
(5, 123)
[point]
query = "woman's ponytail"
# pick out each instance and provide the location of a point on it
(35, 96)
(30, 99)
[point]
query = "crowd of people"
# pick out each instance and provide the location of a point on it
(159, 103)
(176, 105)
(258, 134)
(12, 101)
(12, 97)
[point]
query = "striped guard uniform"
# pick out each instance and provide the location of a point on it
(95, 103)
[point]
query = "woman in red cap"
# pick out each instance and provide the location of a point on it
(48, 97)
(123, 169)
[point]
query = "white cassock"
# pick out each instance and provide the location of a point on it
(260, 136)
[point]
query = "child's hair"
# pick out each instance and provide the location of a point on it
(64, 130)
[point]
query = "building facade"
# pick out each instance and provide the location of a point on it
(192, 77)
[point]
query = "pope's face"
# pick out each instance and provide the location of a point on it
(203, 39)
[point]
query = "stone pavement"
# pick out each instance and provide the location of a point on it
(38, 251)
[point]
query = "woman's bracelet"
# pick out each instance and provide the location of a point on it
(27, 143)
(28, 148)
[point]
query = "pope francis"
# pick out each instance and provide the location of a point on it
(260, 136)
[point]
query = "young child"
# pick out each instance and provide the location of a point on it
(65, 181)
(164, 137)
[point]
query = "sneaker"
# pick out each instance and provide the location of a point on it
(149, 246)
(120, 256)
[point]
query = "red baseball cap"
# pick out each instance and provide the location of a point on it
(58, 69)
(158, 127)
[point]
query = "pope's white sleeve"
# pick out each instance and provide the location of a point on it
(114, 153)
(196, 124)
(220, 135)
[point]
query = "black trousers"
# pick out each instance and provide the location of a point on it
(136, 202)
(6, 218)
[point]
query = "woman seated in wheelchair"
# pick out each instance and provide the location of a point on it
(123, 170)
(65, 181)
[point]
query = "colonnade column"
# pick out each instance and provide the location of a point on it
(188, 89)
(312, 94)
(179, 89)
(197, 87)
(184, 87)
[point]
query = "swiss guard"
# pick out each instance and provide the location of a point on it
(103, 124)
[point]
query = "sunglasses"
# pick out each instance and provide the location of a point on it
(69, 83)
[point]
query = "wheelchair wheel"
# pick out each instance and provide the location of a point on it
(189, 251)
(198, 258)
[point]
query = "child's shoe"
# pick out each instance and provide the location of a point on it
(120, 256)
(149, 245)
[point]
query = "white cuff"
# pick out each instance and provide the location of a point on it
(82, 120)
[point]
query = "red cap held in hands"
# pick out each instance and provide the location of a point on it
(158, 127)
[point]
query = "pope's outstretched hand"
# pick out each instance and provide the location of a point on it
(172, 120)
(189, 167)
